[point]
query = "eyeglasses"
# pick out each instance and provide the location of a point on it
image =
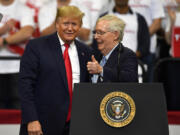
(98, 32)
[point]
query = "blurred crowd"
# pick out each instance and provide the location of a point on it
(148, 31)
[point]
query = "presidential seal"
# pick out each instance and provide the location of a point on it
(117, 109)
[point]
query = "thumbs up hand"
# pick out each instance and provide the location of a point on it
(93, 66)
(93, 58)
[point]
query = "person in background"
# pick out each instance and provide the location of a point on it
(174, 20)
(117, 63)
(162, 43)
(136, 32)
(96, 8)
(153, 12)
(47, 19)
(35, 6)
(47, 77)
(16, 29)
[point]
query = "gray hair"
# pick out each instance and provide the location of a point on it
(115, 24)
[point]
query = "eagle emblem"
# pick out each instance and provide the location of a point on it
(118, 109)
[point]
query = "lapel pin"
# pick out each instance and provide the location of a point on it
(82, 53)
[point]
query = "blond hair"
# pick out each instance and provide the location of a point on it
(115, 24)
(69, 11)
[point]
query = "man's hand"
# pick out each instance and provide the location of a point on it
(10, 24)
(172, 15)
(34, 128)
(94, 67)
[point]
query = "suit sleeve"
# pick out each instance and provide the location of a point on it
(27, 81)
(127, 70)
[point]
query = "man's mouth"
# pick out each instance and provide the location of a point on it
(69, 33)
(99, 42)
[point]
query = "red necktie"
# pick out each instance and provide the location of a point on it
(69, 77)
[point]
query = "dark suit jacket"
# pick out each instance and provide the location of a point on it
(43, 83)
(126, 71)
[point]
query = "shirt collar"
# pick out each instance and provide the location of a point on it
(108, 55)
(130, 11)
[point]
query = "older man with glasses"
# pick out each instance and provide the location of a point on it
(118, 63)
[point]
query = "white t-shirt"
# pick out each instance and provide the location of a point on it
(171, 3)
(130, 31)
(150, 9)
(47, 15)
(23, 17)
(96, 7)
(37, 3)
(35, 6)
(177, 22)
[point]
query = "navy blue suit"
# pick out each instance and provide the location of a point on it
(127, 69)
(43, 83)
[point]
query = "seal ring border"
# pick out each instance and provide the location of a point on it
(129, 100)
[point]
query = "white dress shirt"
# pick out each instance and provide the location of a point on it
(73, 55)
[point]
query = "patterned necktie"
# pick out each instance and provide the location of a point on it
(67, 63)
(103, 61)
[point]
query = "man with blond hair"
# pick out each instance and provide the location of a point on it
(117, 63)
(47, 77)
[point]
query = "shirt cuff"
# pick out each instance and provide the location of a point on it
(101, 74)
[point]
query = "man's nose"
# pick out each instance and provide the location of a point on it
(95, 35)
(70, 27)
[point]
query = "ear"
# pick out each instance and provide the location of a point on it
(57, 25)
(57, 22)
(116, 35)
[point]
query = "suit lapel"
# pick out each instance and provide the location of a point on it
(114, 56)
(58, 57)
(82, 61)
